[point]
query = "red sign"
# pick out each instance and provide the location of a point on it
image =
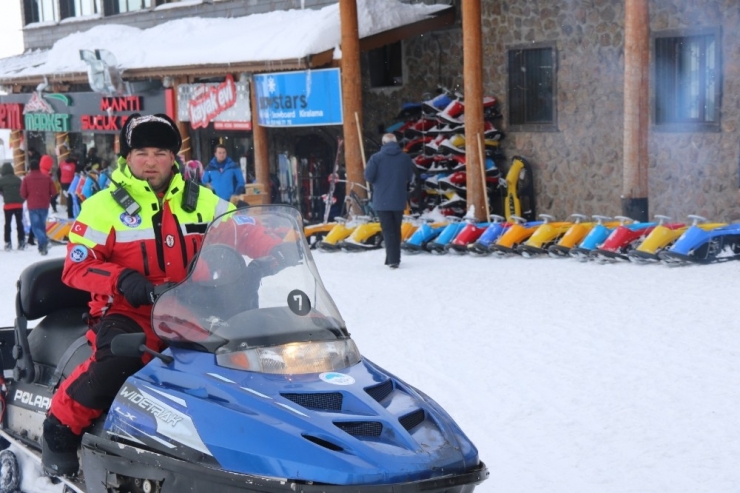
(119, 104)
(102, 122)
(214, 101)
(233, 126)
(10, 116)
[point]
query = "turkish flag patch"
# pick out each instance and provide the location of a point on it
(79, 228)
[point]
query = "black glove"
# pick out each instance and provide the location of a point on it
(137, 289)
(282, 255)
(286, 254)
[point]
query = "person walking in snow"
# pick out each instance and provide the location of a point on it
(37, 189)
(390, 171)
(10, 188)
(46, 165)
(223, 175)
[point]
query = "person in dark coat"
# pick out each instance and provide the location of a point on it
(10, 188)
(390, 171)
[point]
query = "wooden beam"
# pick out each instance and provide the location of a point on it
(440, 20)
(351, 92)
(636, 104)
(473, 87)
(261, 144)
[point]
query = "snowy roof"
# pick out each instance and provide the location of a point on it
(274, 36)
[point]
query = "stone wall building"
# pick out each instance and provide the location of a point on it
(693, 169)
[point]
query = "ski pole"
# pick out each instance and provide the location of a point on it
(362, 146)
(483, 174)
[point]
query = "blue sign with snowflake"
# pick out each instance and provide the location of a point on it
(299, 99)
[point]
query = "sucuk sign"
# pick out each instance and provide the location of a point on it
(10, 116)
(109, 121)
(213, 102)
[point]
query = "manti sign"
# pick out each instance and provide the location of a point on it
(78, 111)
(226, 104)
(112, 115)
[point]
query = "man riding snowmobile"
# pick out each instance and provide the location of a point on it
(143, 233)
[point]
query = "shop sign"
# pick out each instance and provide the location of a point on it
(226, 104)
(299, 99)
(109, 122)
(39, 115)
(44, 122)
(233, 126)
(10, 116)
(91, 112)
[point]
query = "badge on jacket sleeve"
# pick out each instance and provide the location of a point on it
(78, 253)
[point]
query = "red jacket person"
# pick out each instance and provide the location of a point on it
(127, 239)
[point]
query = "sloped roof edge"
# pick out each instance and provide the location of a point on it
(436, 20)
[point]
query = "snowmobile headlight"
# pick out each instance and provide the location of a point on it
(295, 358)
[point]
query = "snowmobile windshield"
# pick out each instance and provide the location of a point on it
(254, 298)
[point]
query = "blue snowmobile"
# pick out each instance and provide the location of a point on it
(261, 389)
(702, 245)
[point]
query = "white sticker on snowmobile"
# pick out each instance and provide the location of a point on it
(33, 400)
(335, 378)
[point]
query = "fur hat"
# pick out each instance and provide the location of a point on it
(149, 131)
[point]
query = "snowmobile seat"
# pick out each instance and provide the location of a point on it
(41, 290)
(58, 339)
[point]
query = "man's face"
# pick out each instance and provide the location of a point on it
(152, 165)
(220, 154)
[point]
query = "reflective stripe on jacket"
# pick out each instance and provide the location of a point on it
(159, 241)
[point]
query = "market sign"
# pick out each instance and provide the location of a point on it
(39, 116)
(299, 99)
(10, 116)
(226, 104)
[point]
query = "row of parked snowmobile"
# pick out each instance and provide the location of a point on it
(602, 239)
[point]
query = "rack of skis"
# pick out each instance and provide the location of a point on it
(433, 134)
(599, 238)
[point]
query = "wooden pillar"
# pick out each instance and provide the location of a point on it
(636, 109)
(351, 93)
(61, 139)
(19, 157)
(473, 87)
(261, 144)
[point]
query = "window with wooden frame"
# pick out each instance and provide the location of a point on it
(687, 81)
(386, 65)
(532, 88)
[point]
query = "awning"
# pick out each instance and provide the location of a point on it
(270, 42)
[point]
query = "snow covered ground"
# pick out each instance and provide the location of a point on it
(568, 377)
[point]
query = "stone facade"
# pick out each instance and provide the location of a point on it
(578, 168)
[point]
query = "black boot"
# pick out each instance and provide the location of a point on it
(59, 448)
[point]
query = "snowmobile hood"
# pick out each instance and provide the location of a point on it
(264, 379)
(358, 426)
